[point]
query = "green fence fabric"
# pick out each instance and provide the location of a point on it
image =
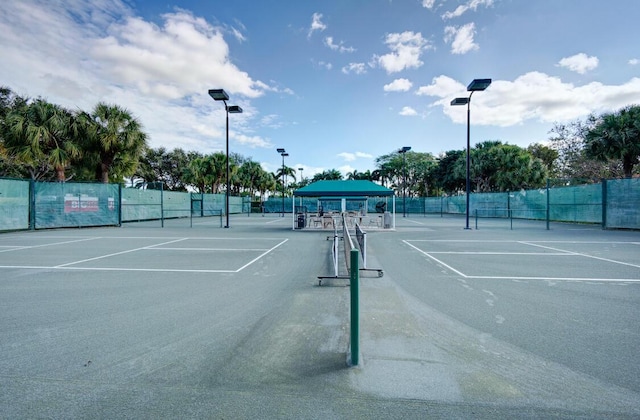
(14, 204)
(27, 204)
(138, 205)
(68, 204)
(622, 203)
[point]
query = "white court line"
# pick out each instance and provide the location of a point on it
(460, 273)
(118, 253)
(260, 256)
(277, 220)
(501, 253)
(585, 279)
(583, 255)
(155, 270)
(562, 253)
(17, 248)
(211, 249)
(414, 221)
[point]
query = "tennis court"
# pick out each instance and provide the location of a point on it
(194, 320)
(550, 260)
(206, 254)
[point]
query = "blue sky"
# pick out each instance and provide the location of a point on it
(334, 82)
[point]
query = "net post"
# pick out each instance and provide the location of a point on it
(161, 204)
(604, 203)
(548, 202)
(354, 276)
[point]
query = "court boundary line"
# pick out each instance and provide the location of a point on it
(561, 253)
(68, 266)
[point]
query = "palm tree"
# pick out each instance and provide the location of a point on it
(40, 132)
(616, 136)
(196, 173)
(115, 138)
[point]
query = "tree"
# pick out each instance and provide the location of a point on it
(9, 166)
(547, 155)
(42, 132)
(330, 175)
(416, 167)
(114, 140)
(249, 174)
(616, 136)
(573, 164)
(445, 174)
(503, 167)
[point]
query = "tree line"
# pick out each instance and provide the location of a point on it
(44, 141)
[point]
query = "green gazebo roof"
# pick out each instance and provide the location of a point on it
(343, 189)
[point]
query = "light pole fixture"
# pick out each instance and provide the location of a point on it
(283, 153)
(301, 178)
(475, 86)
(221, 95)
(404, 151)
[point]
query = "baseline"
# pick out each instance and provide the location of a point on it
(559, 252)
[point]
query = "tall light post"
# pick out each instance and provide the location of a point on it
(221, 95)
(283, 153)
(404, 151)
(475, 86)
(301, 178)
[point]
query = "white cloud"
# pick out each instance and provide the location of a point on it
(580, 63)
(350, 157)
(461, 38)
(184, 56)
(407, 111)
(364, 155)
(357, 68)
(428, 3)
(326, 65)
(532, 96)
(252, 141)
(97, 50)
(398, 85)
(316, 24)
(406, 49)
(463, 8)
(238, 35)
(337, 47)
(634, 62)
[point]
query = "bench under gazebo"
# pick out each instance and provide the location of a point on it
(323, 204)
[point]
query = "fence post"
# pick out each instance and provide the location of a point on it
(355, 317)
(604, 203)
(161, 204)
(548, 201)
(32, 204)
(119, 205)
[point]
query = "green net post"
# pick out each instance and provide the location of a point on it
(548, 202)
(355, 306)
(32, 204)
(604, 203)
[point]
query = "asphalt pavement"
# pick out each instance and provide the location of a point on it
(205, 322)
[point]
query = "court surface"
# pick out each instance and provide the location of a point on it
(198, 321)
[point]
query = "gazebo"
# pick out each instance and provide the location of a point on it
(359, 201)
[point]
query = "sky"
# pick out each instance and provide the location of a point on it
(336, 83)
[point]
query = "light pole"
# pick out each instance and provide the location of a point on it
(221, 95)
(475, 86)
(283, 153)
(301, 179)
(404, 151)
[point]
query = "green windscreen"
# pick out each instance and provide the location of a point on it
(14, 204)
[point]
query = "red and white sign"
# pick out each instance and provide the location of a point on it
(80, 203)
